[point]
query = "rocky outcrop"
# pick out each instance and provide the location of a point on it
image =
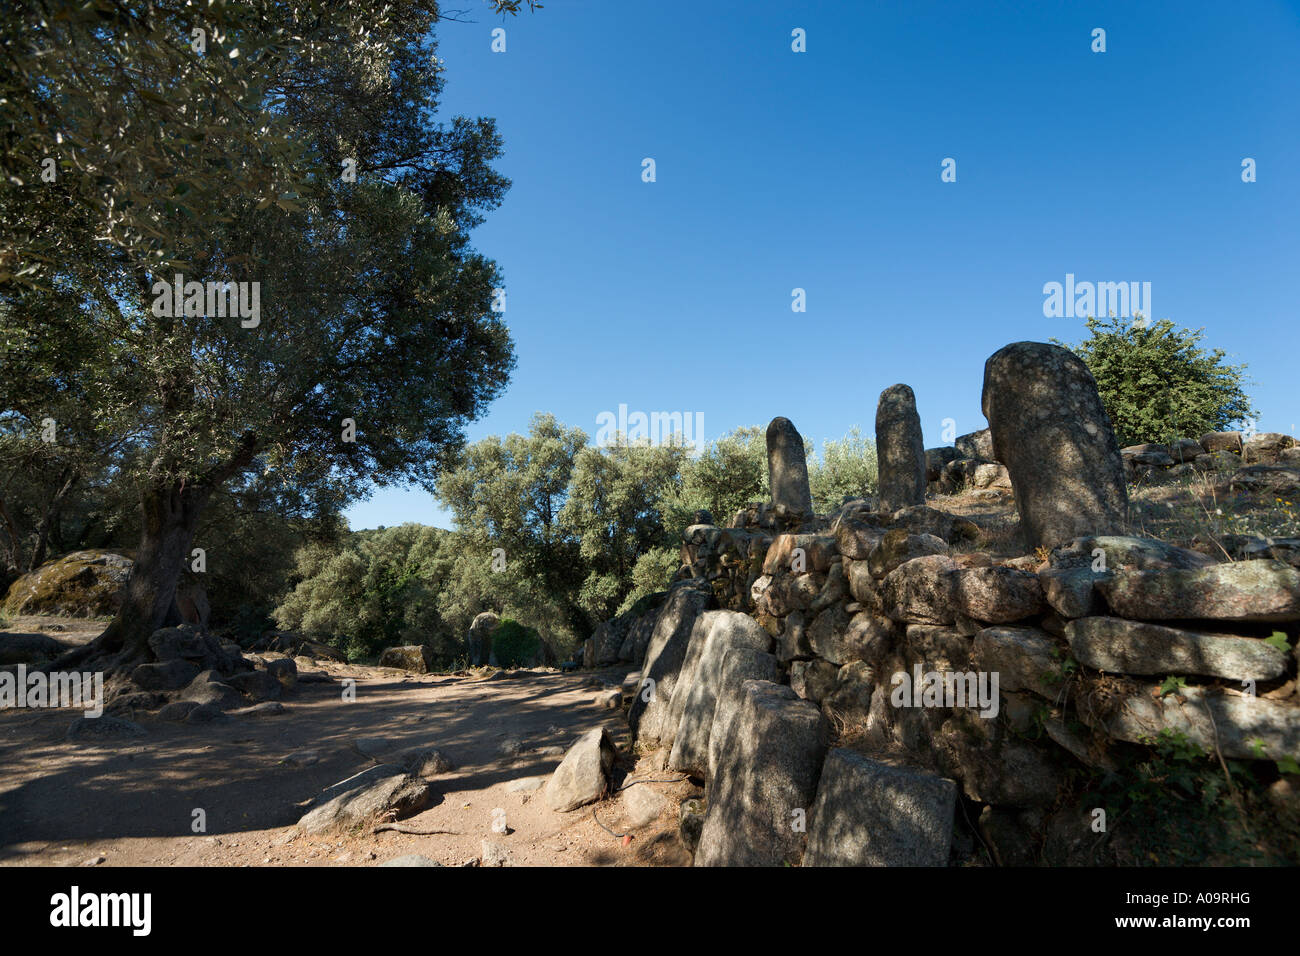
(80, 584)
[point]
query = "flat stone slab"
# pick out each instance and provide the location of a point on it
(1239, 725)
(1135, 647)
(1264, 590)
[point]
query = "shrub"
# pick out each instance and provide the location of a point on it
(513, 644)
(1157, 384)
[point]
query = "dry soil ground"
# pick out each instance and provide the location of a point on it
(132, 802)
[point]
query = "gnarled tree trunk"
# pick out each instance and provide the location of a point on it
(170, 516)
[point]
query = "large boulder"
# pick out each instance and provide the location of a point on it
(672, 715)
(977, 445)
(186, 642)
(787, 467)
(1267, 479)
(480, 638)
(417, 658)
(997, 594)
(1222, 441)
(259, 685)
(728, 630)
(935, 459)
(766, 780)
(385, 791)
(210, 690)
(1113, 552)
(638, 636)
(841, 639)
(164, 675)
(855, 539)
(898, 546)
(608, 639)
(1235, 725)
(995, 765)
(80, 584)
(919, 591)
(813, 680)
(1050, 430)
(1024, 658)
(1070, 592)
(663, 661)
(583, 775)
(900, 450)
(872, 814)
(1265, 448)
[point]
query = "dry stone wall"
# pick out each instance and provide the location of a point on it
(844, 682)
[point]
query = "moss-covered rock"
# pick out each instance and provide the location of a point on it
(80, 584)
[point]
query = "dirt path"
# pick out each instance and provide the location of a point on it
(132, 802)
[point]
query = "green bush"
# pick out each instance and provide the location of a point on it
(513, 644)
(1157, 384)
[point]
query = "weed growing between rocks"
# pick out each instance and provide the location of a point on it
(1171, 803)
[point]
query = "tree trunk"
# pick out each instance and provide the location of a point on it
(47, 520)
(170, 516)
(15, 541)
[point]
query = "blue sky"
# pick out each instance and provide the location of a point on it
(820, 170)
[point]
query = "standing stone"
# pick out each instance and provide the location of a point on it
(899, 449)
(480, 638)
(663, 661)
(1052, 433)
(672, 716)
(730, 629)
(787, 468)
(739, 665)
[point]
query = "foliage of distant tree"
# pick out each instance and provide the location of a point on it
(845, 469)
(380, 590)
(728, 474)
(616, 511)
(1158, 384)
